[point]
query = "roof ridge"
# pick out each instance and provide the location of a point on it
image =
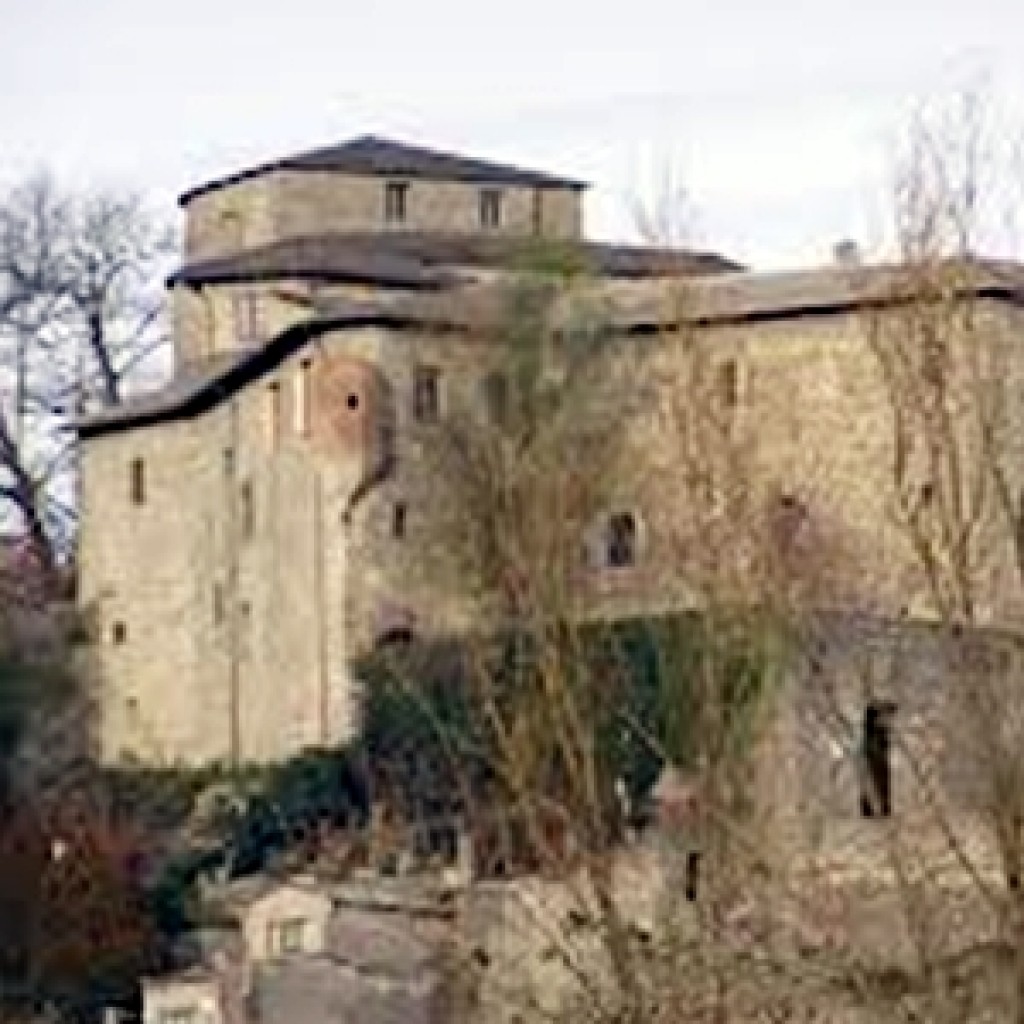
(379, 155)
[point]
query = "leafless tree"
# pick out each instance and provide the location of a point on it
(80, 324)
(544, 487)
(950, 365)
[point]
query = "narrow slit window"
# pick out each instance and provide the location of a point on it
(273, 415)
(876, 744)
(118, 633)
(396, 202)
(728, 384)
(246, 513)
(621, 541)
(692, 879)
(497, 398)
(399, 520)
(302, 398)
(537, 212)
(246, 314)
(426, 394)
(137, 481)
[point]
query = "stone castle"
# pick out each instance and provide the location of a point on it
(250, 529)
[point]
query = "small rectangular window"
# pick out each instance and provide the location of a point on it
(396, 196)
(692, 875)
(426, 398)
(496, 396)
(246, 513)
(537, 212)
(273, 416)
(399, 521)
(728, 383)
(876, 760)
(490, 208)
(302, 398)
(620, 541)
(286, 937)
(218, 603)
(246, 312)
(137, 481)
(118, 633)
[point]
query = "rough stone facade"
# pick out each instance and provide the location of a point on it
(289, 204)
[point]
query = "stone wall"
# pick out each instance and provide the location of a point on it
(221, 601)
(289, 204)
(248, 631)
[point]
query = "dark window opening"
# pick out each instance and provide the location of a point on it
(620, 541)
(537, 212)
(138, 482)
(398, 521)
(876, 740)
(352, 401)
(790, 518)
(246, 512)
(248, 322)
(119, 633)
(496, 396)
(728, 383)
(397, 636)
(301, 395)
(396, 196)
(490, 208)
(273, 415)
(426, 399)
(692, 877)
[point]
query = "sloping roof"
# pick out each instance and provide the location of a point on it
(359, 259)
(414, 259)
(191, 381)
(372, 155)
(637, 308)
(201, 385)
(747, 297)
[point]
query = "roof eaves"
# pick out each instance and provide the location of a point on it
(210, 391)
(197, 275)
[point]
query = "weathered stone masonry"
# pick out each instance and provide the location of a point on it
(251, 528)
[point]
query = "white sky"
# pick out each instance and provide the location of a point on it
(779, 116)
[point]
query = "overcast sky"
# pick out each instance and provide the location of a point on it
(779, 116)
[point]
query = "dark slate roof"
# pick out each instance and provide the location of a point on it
(359, 259)
(197, 387)
(415, 259)
(372, 155)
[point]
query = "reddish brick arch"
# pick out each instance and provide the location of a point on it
(352, 406)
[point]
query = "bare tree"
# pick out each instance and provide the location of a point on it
(544, 491)
(950, 365)
(79, 324)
